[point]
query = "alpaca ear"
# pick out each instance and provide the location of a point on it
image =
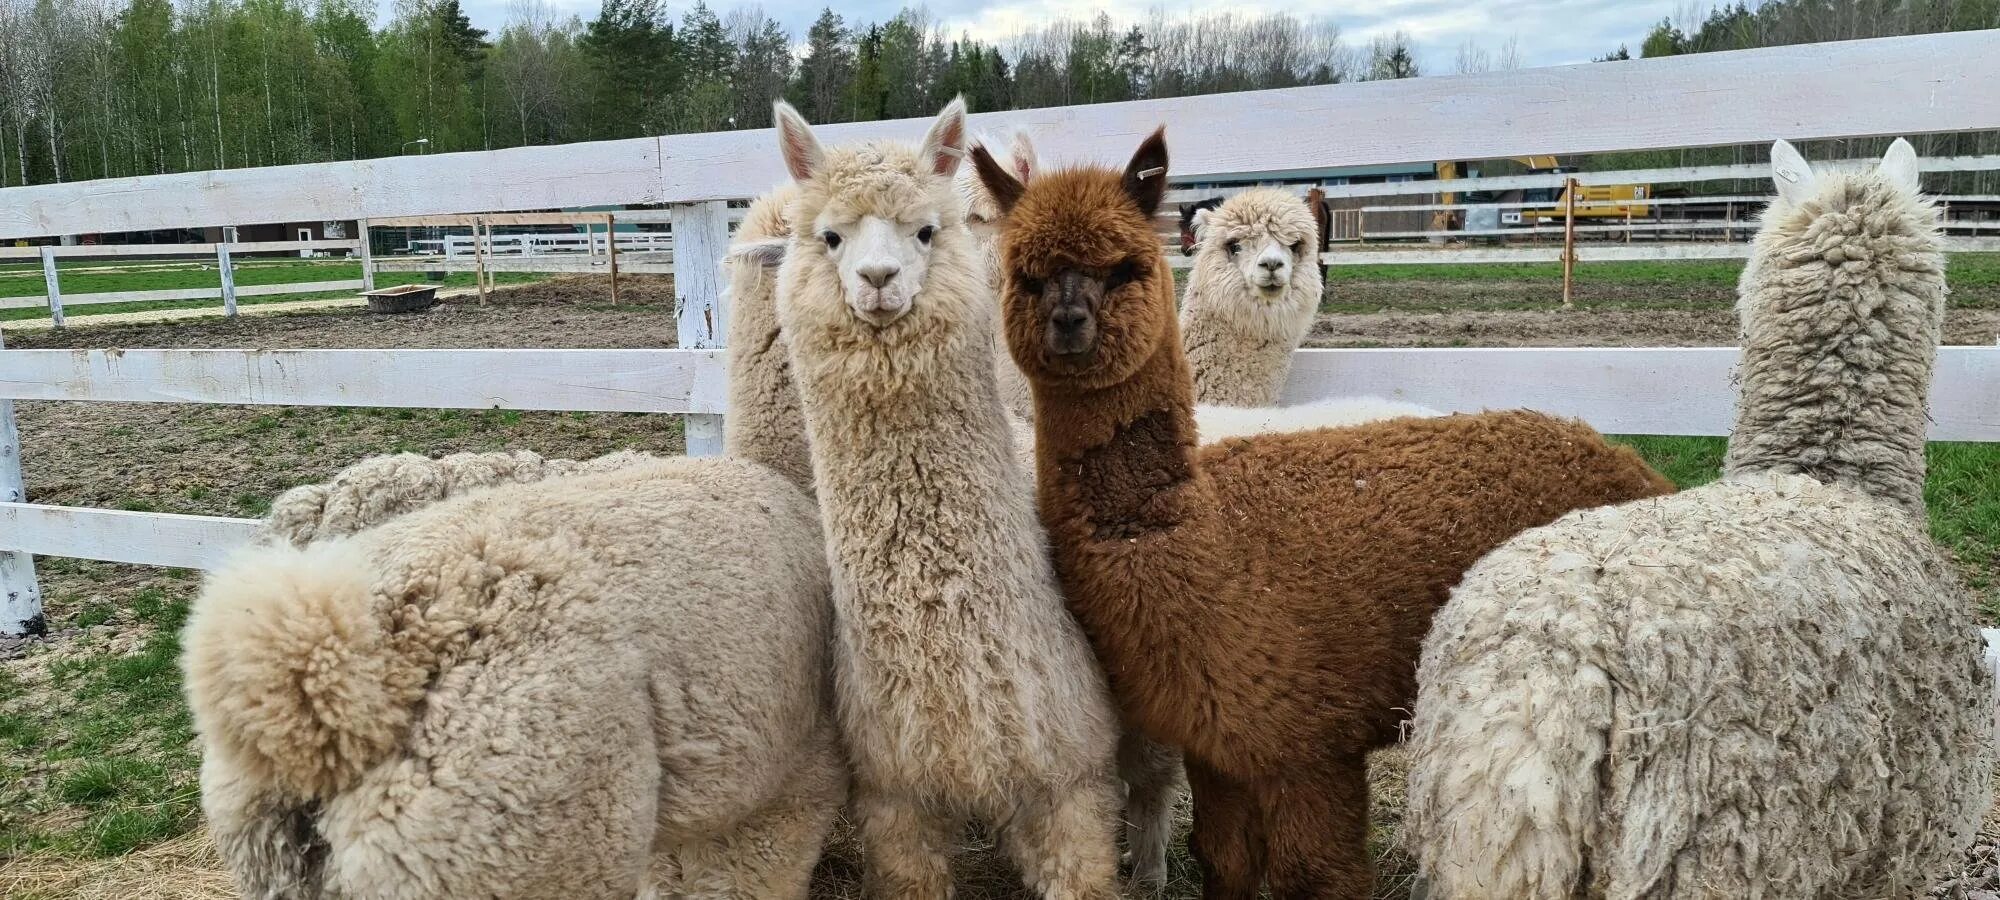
(802, 152)
(1004, 188)
(944, 145)
(1899, 166)
(1021, 152)
(1201, 219)
(1791, 174)
(1146, 174)
(768, 253)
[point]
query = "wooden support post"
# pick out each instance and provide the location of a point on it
(611, 248)
(53, 285)
(367, 256)
(701, 237)
(478, 262)
(228, 272)
(20, 595)
(1569, 242)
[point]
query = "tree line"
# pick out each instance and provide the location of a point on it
(98, 88)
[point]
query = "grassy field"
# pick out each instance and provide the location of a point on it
(1966, 270)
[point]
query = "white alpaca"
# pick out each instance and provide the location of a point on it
(498, 675)
(1770, 686)
(1250, 297)
(966, 690)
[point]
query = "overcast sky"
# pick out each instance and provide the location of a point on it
(1551, 32)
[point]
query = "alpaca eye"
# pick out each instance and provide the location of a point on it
(832, 240)
(1124, 274)
(1028, 283)
(1298, 247)
(1234, 247)
(924, 234)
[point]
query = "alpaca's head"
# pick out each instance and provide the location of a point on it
(1861, 245)
(1087, 296)
(1266, 239)
(982, 212)
(1193, 217)
(873, 223)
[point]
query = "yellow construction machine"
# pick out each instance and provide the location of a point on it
(1596, 201)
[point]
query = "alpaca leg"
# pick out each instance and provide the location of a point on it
(1228, 835)
(1317, 825)
(907, 848)
(772, 854)
(1152, 773)
(1063, 842)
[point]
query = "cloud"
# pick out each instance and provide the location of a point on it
(1550, 32)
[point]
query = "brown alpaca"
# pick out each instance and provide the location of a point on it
(1259, 602)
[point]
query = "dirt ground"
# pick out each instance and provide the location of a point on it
(231, 460)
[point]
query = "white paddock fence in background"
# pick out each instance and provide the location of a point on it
(1914, 85)
(223, 255)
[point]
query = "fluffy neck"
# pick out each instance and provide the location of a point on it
(764, 423)
(1121, 492)
(1837, 359)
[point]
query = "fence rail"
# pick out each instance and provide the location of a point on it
(1628, 391)
(1910, 85)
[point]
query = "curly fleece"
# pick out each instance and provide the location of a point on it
(965, 688)
(764, 423)
(525, 691)
(1257, 602)
(1239, 342)
(1767, 687)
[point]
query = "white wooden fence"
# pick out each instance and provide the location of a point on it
(224, 254)
(1938, 83)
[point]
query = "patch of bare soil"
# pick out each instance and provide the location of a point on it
(1576, 328)
(1393, 294)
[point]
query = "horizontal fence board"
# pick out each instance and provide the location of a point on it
(96, 250)
(1682, 391)
(1636, 390)
(1901, 85)
(566, 263)
(211, 293)
(154, 539)
(587, 174)
(665, 381)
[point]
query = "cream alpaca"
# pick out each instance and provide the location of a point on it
(966, 690)
(516, 692)
(1250, 297)
(614, 692)
(1770, 686)
(764, 423)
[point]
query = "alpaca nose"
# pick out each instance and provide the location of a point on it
(1068, 318)
(1271, 263)
(878, 274)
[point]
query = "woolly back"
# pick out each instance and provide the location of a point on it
(1841, 306)
(764, 422)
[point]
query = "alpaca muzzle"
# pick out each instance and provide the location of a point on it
(1072, 330)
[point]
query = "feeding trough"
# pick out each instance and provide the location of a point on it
(402, 298)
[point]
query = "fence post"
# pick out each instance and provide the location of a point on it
(1569, 241)
(54, 286)
(228, 279)
(701, 237)
(20, 596)
(478, 260)
(367, 256)
(611, 245)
